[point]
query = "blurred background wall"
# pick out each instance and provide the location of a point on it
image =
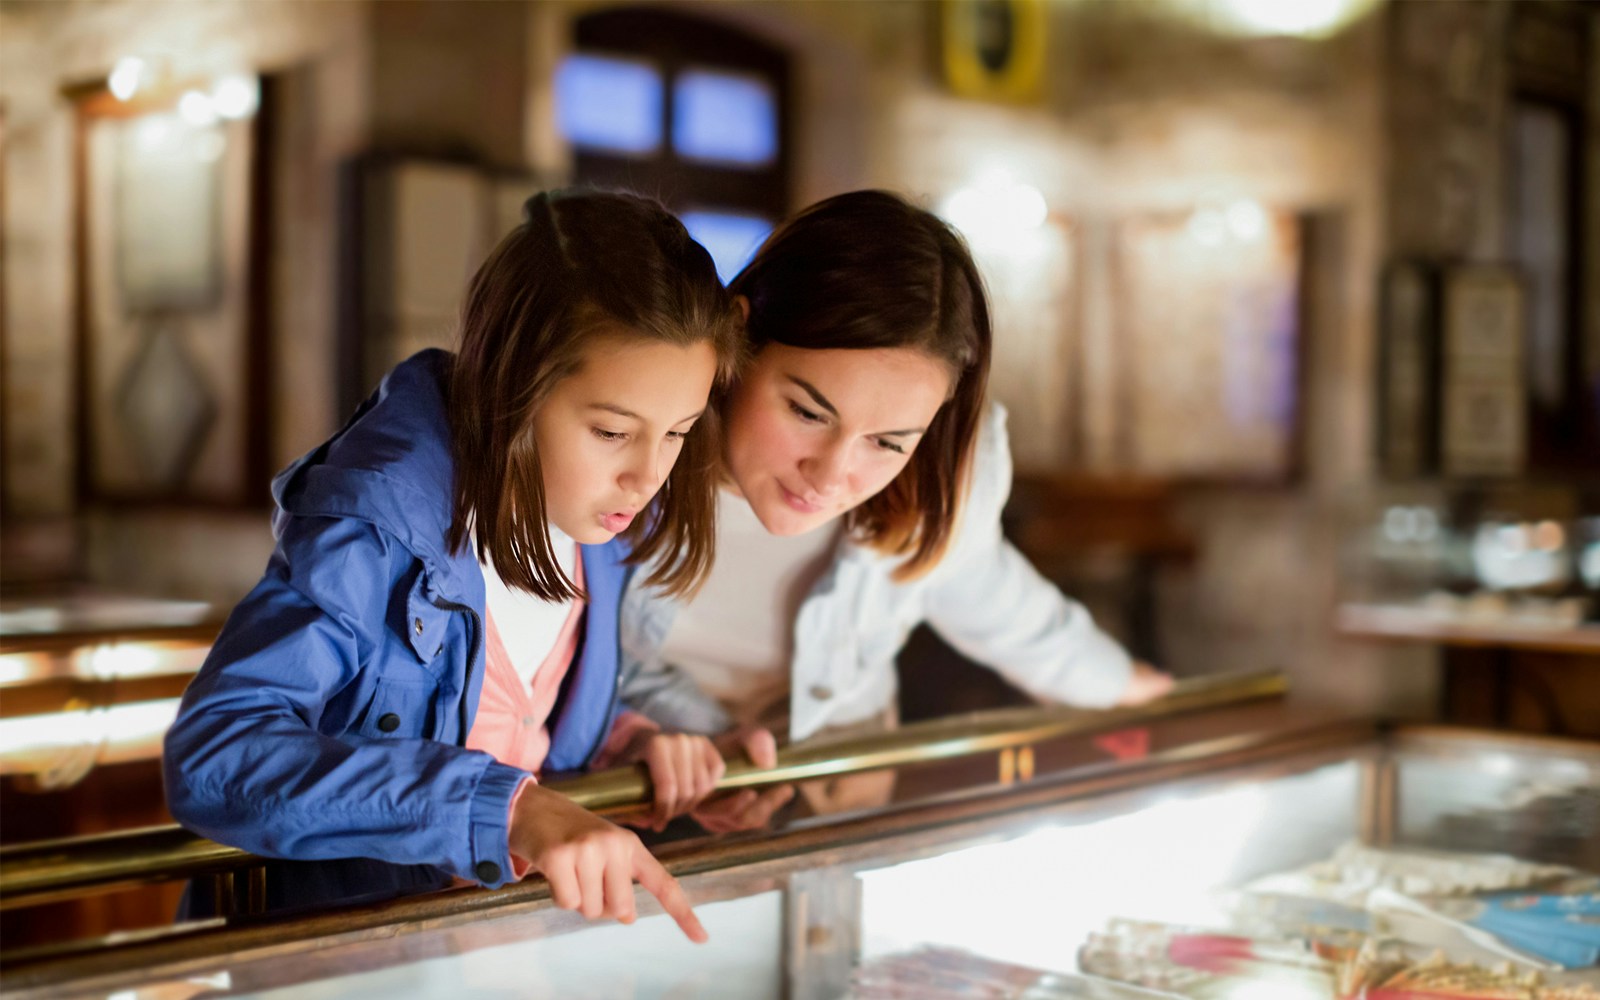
(1307, 145)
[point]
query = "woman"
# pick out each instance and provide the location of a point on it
(864, 475)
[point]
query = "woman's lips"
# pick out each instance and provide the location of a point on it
(616, 523)
(797, 502)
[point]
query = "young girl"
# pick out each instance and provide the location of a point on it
(448, 569)
(865, 474)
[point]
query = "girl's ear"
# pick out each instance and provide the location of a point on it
(743, 302)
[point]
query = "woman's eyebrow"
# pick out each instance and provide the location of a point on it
(816, 397)
(822, 401)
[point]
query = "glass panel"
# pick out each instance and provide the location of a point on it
(724, 118)
(731, 239)
(650, 960)
(611, 104)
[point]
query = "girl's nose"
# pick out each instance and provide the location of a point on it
(643, 474)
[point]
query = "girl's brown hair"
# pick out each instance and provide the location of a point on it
(581, 263)
(868, 270)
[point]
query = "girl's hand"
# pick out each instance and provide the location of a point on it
(1146, 684)
(746, 809)
(684, 769)
(591, 864)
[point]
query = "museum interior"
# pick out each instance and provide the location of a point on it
(1295, 311)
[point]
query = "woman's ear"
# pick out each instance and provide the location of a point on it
(743, 302)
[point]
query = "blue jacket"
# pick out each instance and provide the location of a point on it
(329, 719)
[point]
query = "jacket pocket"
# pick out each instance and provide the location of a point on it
(399, 709)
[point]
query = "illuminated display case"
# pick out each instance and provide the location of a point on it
(1023, 874)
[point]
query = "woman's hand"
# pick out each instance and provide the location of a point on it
(591, 864)
(1146, 684)
(684, 769)
(746, 809)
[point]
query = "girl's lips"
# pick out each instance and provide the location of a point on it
(616, 523)
(797, 502)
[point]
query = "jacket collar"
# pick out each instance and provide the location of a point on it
(391, 466)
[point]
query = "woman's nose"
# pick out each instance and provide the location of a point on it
(828, 471)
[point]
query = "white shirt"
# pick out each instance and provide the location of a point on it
(528, 626)
(737, 636)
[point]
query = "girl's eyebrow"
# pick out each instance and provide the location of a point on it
(822, 401)
(623, 412)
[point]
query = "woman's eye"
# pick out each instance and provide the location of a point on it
(808, 416)
(888, 445)
(677, 436)
(605, 435)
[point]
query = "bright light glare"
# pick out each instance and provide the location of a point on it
(154, 132)
(196, 109)
(126, 728)
(123, 659)
(995, 209)
(31, 743)
(125, 77)
(1498, 765)
(1279, 988)
(1059, 884)
(1208, 227)
(15, 667)
(236, 95)
(1247, 219)
(1287, 17)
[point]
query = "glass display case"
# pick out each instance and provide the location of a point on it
(990, 890)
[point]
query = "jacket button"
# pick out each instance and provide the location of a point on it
(389, 722)
(821, 692)
(487, 871)
(417, 626)
(439, 650)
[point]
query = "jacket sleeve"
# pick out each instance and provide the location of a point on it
(987, 601)
(248, 763)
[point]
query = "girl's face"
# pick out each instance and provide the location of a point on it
(812, 434)
(610, 432)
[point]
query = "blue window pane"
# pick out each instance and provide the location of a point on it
(730, 239)
(612, 104)
(724, 118)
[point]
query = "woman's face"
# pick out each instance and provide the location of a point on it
(610, 432)
(813, 434)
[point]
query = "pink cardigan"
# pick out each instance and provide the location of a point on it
(511, 721)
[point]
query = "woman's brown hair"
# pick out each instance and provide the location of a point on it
(581, 264)
(869, 270)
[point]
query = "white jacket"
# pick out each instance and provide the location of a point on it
(983, 598)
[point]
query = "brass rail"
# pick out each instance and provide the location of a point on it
(49, 871)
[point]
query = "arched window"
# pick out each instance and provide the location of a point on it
(689, 111)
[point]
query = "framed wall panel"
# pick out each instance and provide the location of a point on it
(1208, 343)
(173, 367)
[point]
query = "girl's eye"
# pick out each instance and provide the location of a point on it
(606, 435)
(808, 416)
(677, 436)
(888, 445)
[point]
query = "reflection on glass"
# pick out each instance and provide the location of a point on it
(725, 118)
(610, 104)
(730, 239)
(1514, 556)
